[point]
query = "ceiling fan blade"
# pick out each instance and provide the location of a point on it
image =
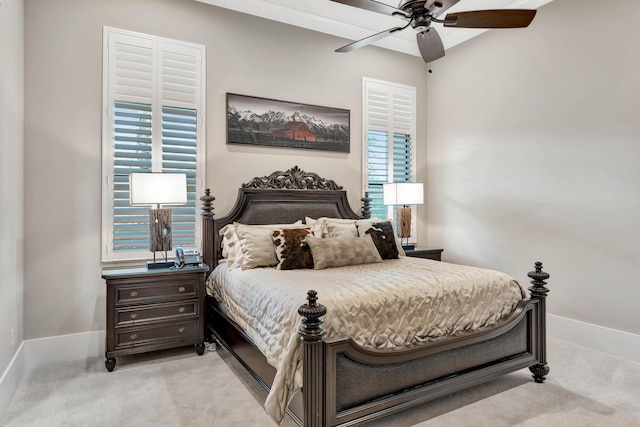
(500, 18)
(374, 6)
(430, 45)
(368, 40)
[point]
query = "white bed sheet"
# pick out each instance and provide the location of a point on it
(390, 305)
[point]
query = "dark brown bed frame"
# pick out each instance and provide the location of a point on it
(343, 383)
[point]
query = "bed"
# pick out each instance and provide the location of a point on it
(344, 382)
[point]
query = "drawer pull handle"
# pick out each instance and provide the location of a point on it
(134, 336)
(181, 309)
(134, 294)
(134, 315)
(181, 330)
(181, 289)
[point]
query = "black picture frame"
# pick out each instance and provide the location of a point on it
(253, 120)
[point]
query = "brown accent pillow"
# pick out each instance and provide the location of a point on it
(384, 238)
(340, 252)
(291, 247)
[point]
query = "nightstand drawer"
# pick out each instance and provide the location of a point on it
(128, 316)
(161, 333)
(435, 254)
(130, 294)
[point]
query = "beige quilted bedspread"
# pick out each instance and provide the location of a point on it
(395, 304)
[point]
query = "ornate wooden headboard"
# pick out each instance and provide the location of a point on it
(281, 197)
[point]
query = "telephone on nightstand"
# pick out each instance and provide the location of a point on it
(187, 258)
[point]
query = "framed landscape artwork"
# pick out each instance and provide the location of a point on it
(269, 122)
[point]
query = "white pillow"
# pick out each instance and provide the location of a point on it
(339, 230)
(336, 227)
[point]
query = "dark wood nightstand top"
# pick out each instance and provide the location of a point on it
(427, 253)
(121, 272)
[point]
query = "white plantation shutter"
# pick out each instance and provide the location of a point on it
(154, 110)
(179, 154)
(389, 119)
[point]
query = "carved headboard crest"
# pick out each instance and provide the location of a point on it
(293, 179)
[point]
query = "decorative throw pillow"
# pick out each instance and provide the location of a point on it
(257, 245)
(292, 250)
(340, 252)
(339, 230)
(364, 223)
(336, 227)
(332, 227)
(316, 226)
(383, 237)
(231, 250)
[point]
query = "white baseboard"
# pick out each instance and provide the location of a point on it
(11, 378)
(48, 351)
(63, 348)
(607, 340)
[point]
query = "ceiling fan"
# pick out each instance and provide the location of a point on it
(420, 14)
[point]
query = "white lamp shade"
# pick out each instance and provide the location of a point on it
(158, 188)
(403, 193)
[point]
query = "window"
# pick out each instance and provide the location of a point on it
(153, 109)
(389, 118)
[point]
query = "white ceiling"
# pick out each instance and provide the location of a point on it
(352, 23)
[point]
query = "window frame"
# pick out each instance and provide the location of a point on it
(391, 129)
(159, 46)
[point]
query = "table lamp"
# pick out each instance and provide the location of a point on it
(405, 194)
(154, 188)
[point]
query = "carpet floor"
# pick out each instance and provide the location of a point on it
(179, 388)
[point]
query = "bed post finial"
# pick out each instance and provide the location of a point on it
(311, 334)
(539, 290)
(366, 205)
(312, 313)
(207, 228)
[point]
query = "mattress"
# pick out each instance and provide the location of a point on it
(395, 304)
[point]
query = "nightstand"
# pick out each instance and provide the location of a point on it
(435, 254)
(150, 310)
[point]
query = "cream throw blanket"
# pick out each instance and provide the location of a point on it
(389, 305)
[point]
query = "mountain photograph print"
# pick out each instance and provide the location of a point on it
(269, 122)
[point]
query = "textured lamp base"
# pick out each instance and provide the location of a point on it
(159, 230)
(160, 237)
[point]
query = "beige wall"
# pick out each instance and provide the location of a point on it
(63, 59)
(11, 181)
(533, 153)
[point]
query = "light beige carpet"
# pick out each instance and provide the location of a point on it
(178, 388)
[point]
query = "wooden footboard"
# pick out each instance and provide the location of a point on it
(345, 384)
